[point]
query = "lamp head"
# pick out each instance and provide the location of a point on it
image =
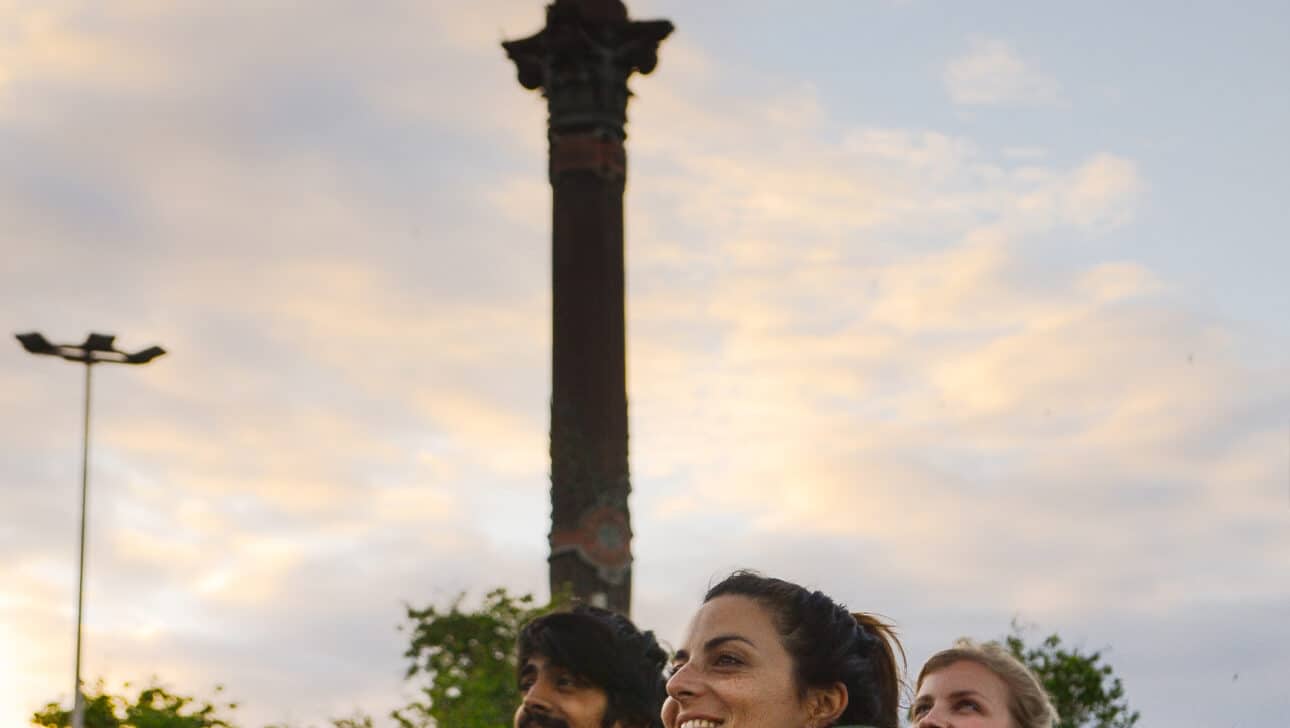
(99, 342)
(35, 343)
(145, 356)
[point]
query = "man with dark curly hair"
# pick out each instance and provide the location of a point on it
(588, 668)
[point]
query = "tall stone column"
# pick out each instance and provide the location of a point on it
(581, 62)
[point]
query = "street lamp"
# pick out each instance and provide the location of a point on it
(97, 349)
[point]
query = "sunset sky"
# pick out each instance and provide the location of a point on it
(961, 312)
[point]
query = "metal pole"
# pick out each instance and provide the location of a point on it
(97, 348)
(78, 700)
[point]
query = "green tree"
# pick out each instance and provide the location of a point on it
(154, 707)
(355, 721)
(466, 661)
(1083, 688)
(157, 707)
(358, 720)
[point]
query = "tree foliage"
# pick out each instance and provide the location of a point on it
(1083, 688)
(154, 707)
(158, 707)
(466, 661)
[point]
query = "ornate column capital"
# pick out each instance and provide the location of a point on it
(581, 61)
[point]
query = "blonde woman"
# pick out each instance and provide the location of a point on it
(979, 685)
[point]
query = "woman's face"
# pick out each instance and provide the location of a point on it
(964, 694)
(732, 671)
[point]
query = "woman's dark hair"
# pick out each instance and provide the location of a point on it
(608, 651)
(829, 645)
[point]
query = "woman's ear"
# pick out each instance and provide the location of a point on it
(825, 705)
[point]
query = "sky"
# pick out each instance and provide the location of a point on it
(963, 313)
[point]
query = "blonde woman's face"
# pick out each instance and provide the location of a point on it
(963, 694)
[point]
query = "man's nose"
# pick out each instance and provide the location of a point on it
(537, 699)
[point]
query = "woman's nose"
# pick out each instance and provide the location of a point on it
(932, 719)
(683, 683)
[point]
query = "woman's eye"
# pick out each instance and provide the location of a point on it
(919, 709)
(727, 660)
(967, 705)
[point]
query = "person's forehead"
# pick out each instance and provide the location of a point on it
(538, 662)
(964, 675)
(729, 614)
(535, 661)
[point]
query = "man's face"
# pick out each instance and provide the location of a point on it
(553, 697)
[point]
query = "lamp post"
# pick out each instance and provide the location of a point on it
(97, 349)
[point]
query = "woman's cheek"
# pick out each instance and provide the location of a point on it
(671, 709)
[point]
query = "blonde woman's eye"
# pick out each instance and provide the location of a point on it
(968, 705)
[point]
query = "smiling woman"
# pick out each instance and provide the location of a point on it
(766, 653)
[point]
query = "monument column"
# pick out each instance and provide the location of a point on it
(581, 62)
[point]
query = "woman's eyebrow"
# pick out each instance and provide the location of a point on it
(712, 644)
(719, 640)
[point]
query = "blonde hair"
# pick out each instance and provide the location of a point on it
(1028, 702)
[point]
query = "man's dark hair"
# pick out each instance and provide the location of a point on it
(608, 651)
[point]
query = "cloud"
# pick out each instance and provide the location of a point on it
(853, 359)
(992, 74)
(1103, 192)
(897, 381)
